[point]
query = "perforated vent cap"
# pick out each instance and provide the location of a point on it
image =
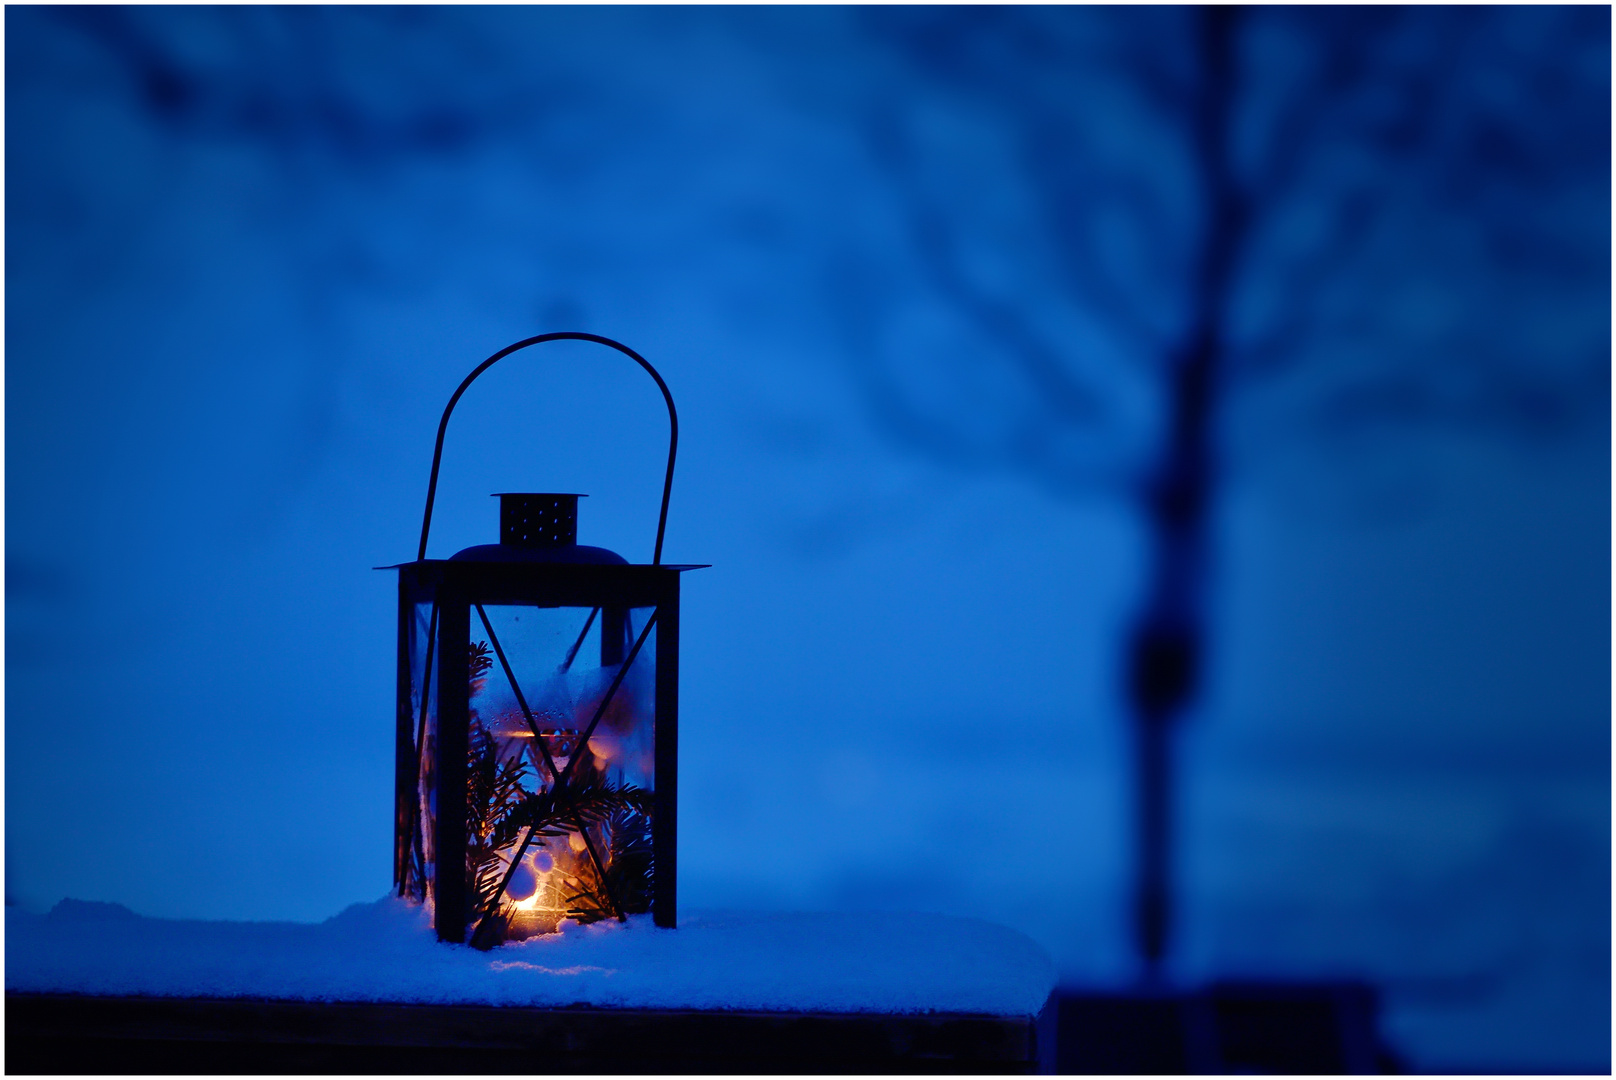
(545, 520)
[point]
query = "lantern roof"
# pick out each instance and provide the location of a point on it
(616, 560)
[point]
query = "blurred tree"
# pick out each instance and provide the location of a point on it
(1263, 224)
(287, 78)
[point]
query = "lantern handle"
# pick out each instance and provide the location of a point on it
(443, 425)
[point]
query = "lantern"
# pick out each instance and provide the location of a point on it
(537, 719)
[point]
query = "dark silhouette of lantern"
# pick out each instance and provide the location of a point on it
(537, 719)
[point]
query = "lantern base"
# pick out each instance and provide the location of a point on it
(517, 926)
(526, 924)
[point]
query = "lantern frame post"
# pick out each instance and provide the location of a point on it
(665, 799)
(454, 729)
(406, 769)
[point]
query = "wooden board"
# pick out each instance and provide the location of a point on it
(59, 1033)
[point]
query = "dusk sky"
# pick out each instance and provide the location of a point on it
(914, 278)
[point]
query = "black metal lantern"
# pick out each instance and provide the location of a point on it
(538, 711)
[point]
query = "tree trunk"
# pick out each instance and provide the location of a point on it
(1167, 645)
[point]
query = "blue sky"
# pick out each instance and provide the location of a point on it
(234, 313)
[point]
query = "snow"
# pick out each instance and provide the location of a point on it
(386, 951)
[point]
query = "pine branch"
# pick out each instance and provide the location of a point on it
(494, 793)
(586, 796)
(625, 888)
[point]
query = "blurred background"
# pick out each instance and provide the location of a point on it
(1155, 462)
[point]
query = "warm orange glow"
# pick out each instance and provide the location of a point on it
(532, 902)
(538, 867)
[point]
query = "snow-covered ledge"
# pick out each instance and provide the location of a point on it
(97, 987)
(386, 951)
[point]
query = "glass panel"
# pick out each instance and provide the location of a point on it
(418, 870)
(560, 767)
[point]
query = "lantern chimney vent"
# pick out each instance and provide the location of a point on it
(538, 521)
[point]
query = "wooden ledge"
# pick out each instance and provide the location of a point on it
(66, 1033)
